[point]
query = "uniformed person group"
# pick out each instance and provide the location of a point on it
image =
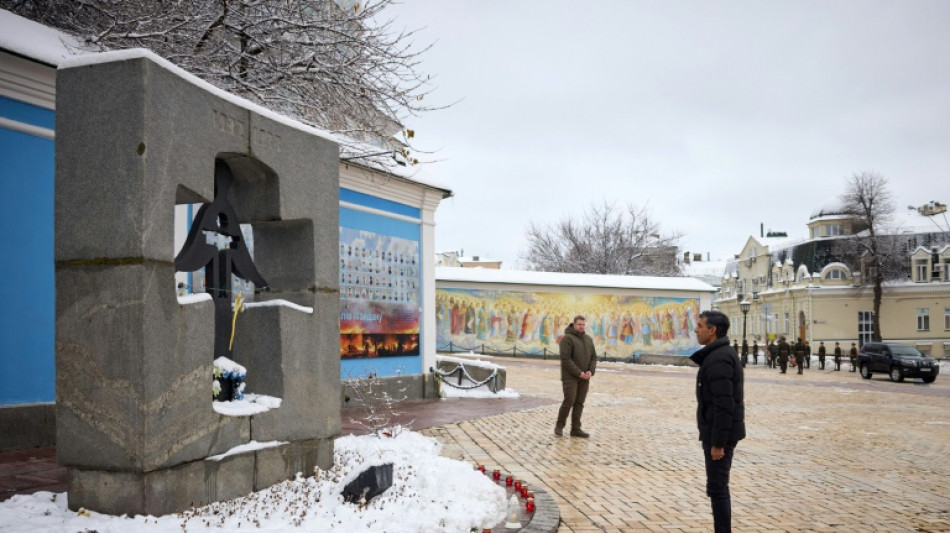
(783, 355)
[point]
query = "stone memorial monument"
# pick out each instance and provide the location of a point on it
(135, 422)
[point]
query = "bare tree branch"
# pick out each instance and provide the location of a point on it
(607, 240)
(867, 197)
(336, 64)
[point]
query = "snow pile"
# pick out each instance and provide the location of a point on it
(249, 447)
(469, 388)
(187, 299)
(280, 303)
(429, 493)
(252, 404)
(470, 362)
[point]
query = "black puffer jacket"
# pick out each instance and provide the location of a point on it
(721, 410)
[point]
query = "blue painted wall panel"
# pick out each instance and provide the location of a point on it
(350, 218)
(26, 113)
(27, 328)
(346, 195)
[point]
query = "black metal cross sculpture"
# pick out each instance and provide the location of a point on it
(219, 217)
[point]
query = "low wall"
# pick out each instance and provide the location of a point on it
(27, 426)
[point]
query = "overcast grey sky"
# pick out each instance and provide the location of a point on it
(717, 115)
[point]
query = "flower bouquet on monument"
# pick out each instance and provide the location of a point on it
(229, 380)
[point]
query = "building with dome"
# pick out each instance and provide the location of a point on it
(814, 287)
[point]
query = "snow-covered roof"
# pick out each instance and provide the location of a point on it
(48, 45)
(705, 268)
(523, 277)
(477, 259)
(832, 209)
(33, 40)
(139, 53)
(352, 150)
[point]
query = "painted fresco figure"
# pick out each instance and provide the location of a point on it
(513, 320)
(219, 217)
(526, 322)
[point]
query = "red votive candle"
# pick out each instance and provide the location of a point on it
(524, 490)
(481, 468)
(518, 485)
(509, 480)
(529, 505)
(496, 475)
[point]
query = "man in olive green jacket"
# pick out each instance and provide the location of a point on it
(578, 363)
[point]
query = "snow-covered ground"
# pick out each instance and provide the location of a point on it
(429, 493)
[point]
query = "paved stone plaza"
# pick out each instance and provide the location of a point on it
(826, 451)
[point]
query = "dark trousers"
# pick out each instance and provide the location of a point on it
(575, 392)
(821, 363)
(717, 488)
(837, 364)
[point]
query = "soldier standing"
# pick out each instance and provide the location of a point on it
(800, 355)
(853, 355)
(821, 355)
(755, 352)
(783, 351)
(745, 352)
(807, 355)
(837, 356)
(772, 353)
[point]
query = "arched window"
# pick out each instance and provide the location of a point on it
(836, 274)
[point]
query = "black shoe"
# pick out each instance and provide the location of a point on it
(558, 431)
(580, 433)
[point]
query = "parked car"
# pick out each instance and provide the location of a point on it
(897, 360)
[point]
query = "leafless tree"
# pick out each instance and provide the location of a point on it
(607, 240)
(340, 65)
(867, 197)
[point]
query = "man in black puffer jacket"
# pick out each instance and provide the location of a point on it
(721, 411)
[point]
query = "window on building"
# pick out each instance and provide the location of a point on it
(945, 270)
(814, 232)
(833, 229)
(835, 274)
(923, 319)
(787, 324)
(946, 319)
(865, 326)
(920, 267)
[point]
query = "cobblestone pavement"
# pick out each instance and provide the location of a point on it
(826, 451)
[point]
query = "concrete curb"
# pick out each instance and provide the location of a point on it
(547, 515)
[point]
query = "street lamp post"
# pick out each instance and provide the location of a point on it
(744, 305)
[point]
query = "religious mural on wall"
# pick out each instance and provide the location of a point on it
(379, 295)
(621, 326)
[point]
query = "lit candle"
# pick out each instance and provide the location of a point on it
(518, 485)
(524, 490)
(481, 468)
(509, 480)
(529, 505)
(496, 475)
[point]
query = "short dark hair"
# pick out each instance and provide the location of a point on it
(718, 320)
(578, 317)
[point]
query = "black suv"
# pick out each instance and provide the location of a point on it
(897, 360)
